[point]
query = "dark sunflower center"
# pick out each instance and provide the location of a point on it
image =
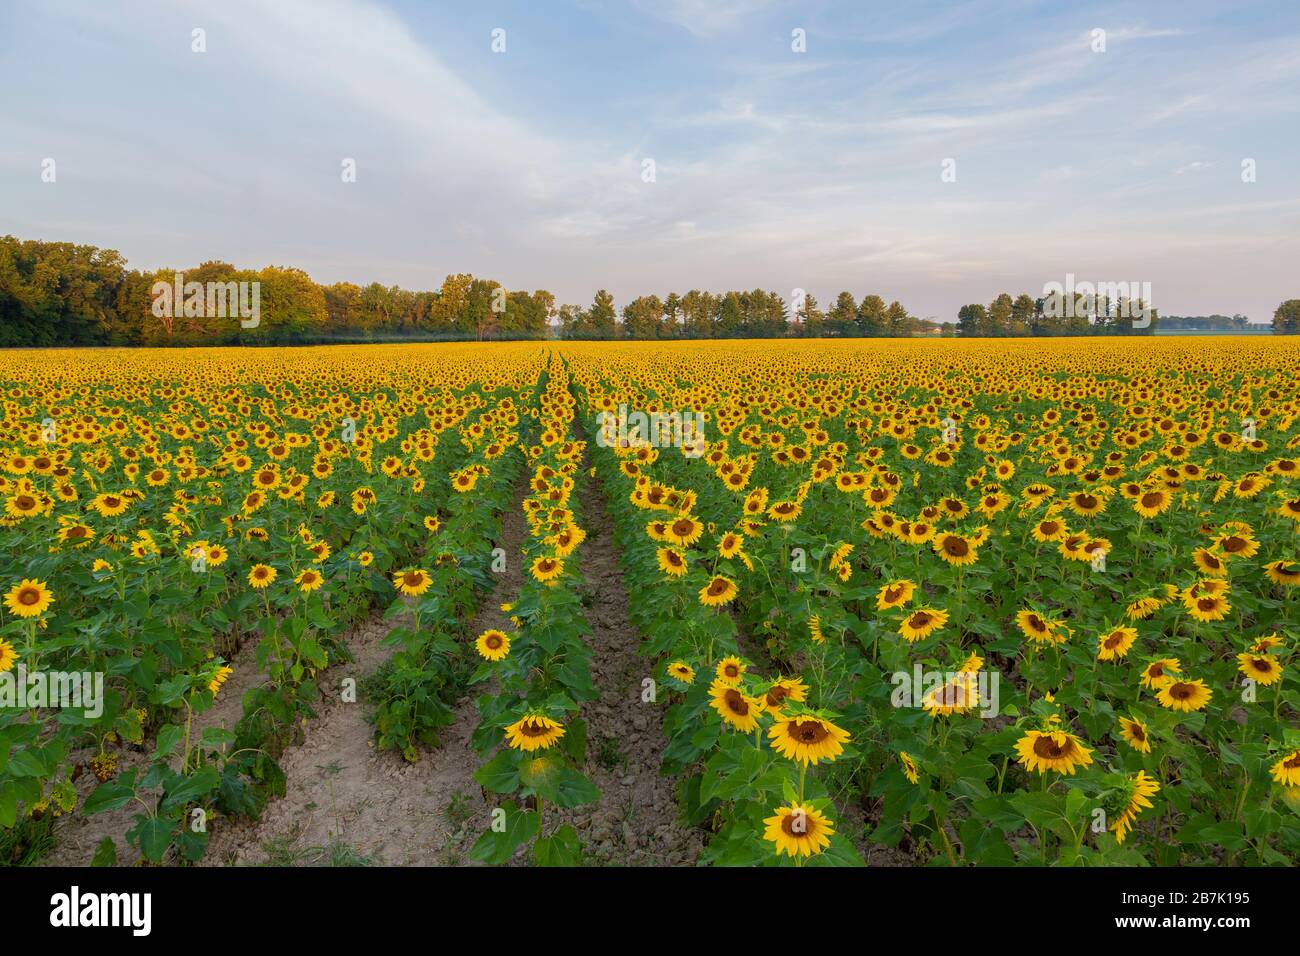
(533, 728)
(1180, 691)
(808, 731)
(29, 596)
(736, 702)
(1048, 748)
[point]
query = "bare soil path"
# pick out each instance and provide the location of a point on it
(346, 803)
(635, 821)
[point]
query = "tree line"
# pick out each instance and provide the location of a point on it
(63, 294)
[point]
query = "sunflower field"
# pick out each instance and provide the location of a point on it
(897, 602)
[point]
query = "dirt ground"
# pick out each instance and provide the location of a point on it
(345, 802)
(635, 822)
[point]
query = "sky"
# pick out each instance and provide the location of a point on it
(932, 153)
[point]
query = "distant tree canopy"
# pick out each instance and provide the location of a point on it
(1286, 320)
(62, 294)
(58, 294)
(1075, 314)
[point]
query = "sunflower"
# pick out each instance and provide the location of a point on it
(958, 695)
(1209, 563)
(1058, 750)
(1039, 629)
(219, 677)
(807, 739)
(493, 645)
(110, 506)
(76, 534)
(1260, 668)
(671, 562)
(1115, 643)
(921, 623)
(1265, 643)
(682, 672)
(546, 569)
(684, 530)
(1284, 572)
(412, 582)
(1237, 545)
(910, 769)
(365, 559)
(736, 708)
(955, 549)
(718, 591)
(1135, 734)
(815, 629)
(730, 670)
(1050, 529)
(798, 830)
(30, 598)
(894, 594)
(1158, 673)
(261, 576)
(309, 581)
(1207, 607)
(1152, 503)
(1143, 608)
(1287, 770)
(533, 732)
(1140, 789)
(8, 656)
(784, 511)
(1184, 695)
(784, 689)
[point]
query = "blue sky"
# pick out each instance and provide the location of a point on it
(818, 170)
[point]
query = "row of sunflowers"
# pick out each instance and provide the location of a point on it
(1015, 603)
(164, 512)
(529, 719)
